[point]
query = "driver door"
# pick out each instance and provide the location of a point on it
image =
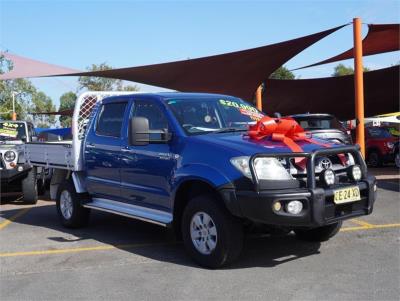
(146, 170)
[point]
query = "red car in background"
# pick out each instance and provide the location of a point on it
(379, 144)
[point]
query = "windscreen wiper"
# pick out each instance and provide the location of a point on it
(229, 130)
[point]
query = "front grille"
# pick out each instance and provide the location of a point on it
(307, 171)
(2, 165)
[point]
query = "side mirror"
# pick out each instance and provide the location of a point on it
(139, 131)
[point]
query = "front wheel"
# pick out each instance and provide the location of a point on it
(319, 234)
(211, 235)
(69, 208)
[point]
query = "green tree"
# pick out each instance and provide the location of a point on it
(282, 73)
(67, 101)
(5, 64)
(341, 70)
(93, 83)
(132, 88)
(23, 91)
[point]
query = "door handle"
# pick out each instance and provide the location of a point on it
(90, 145)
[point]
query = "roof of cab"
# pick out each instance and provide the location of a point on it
(173, 95)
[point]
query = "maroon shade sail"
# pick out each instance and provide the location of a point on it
(334, 95)
(24, 67)
(381, 38)
(236, 73)
(68, 112)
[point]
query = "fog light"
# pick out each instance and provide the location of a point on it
(294, 207)
(355, 173)
(277, 206)
(20, 168)
(327, 176)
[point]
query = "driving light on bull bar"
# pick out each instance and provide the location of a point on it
(327, 176)
(354, 172)
(294, 207)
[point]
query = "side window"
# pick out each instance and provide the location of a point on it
(110, 119)
(149, 110)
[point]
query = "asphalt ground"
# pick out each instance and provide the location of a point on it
(116, 258)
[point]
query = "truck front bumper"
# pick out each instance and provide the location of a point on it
(8, 176)
(318, 206)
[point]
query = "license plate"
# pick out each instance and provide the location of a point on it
(347, 195)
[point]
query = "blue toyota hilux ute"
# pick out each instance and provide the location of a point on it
(187, 161)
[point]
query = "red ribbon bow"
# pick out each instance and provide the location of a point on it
(286, 130)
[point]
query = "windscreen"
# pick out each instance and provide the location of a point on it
(206, 115)
(12, 131)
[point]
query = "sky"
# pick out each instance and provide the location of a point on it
(77, 34)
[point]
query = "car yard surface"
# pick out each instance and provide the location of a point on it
(116, 258)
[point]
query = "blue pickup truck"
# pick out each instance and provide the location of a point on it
(186, 161)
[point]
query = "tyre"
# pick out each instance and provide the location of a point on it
(211, 235)
(319, 234)
(29, 187)
(374, 159)
(397, 159)
(69, 208)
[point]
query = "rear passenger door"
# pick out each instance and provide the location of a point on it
(102, 151)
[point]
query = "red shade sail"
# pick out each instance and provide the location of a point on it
(236, 73)
(68, 112)
(24, 67)
(381, 38)
(334, 95)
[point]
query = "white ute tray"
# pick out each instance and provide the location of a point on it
(50, 154)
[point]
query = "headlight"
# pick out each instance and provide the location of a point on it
(265, 168)
(9, 156)
(242, 164)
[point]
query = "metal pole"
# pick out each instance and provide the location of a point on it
(359, 85)
(14, 115)
(259, 98)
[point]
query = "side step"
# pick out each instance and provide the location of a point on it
(154, 216)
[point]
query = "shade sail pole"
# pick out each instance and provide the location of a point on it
(259, 98)
(359, 85)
